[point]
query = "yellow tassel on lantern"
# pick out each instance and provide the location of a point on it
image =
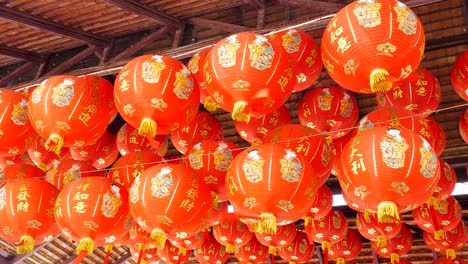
(326, 245)
(42, 166)
(307, 221)
(143, 261)
(256, 141)
(386, 211)
(450, 254)
(182, 251)
(214, 200)
(267, 224)
(272, 251)
(230, 248)
(108, 248)
(159, 237)
(147, 127)
(238, 112)
(378, 81)
(210, 104)
(140, 247)
(439, 234)
(381, 241)
(340, 261)
(26, 245)
(86, 244)
(394, 258)
(58, 140)
(367, 215)
(433, 202)
(291, 262)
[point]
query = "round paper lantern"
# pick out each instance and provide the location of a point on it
(156, 94)
(89, 209)
(270, 183)
(26, 212)
(459, 75)
(169, 198)
(368, 45)
(347, 249)
(20, 171)
(446, 183)
(337, 146)
(43, 158)
(419, 93)
(217, 213)
(258, 128)
(438, 135)
(463, 125)
(304, 54)
(70, 111)
(70, 170)
(396, 246)
(16, 130)
(203, 127)
(438, 220)
(147, 256)
(187, 243)
(322, 205)
(128, 140)
(231, 233)
(211, 252)
(444, 260)
(252, 252)
(454, 240)
(170, 254)
(298, 251)
(328, 110)
(394, 171)
(284, 236)
(315, 148)
(210, 159)
(139, 237)
(101, 154)
(197, 65)
(249, 75)
(370, 228)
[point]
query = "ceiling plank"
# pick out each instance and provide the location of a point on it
(217, 25)
(72, 61)
(17, 73)
(417, 3)
(141, 9)
(258, 4)
(30, 20)
(311, 4)
(261, 18)
(22, 54)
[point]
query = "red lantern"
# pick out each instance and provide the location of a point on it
(170, 254)
(315, 148)
(211, 252)
(249, 75)
(149, 255)
(328, 110)
(454, 240)
(271, 183)
(6, 162)
(91, 208)
(438, 135)
(128, 140)
(347, 249)
(298, 251)
(396, 246)
(101, 154)
(419, 93)
(463, 125)
(257, 129)
(337, 146)
(43, 158)
(217, 213)
(369, 45)
(232, 233)
(459, 75)
(444, 260)
(70, 170)
(26, 212)
(394, 171)
(17, 132)
(284, 236)
(253, 252)
(187, 243)
(438, 220)
(446, 183)
(370, 228)
(323, 203)
(304, 54)
(203, 127)
(156, 94)
(70, 111)
(20, 171)
(169, 199)
(197, 65)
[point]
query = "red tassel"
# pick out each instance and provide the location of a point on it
(432, 212)
(179, 260)
(80, 257)
(325, 256)
(106, 259)
(140, 255)
(308, 233)
(272, 259)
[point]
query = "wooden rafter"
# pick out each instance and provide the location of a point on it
(141, 9)
(261, 18)
(217, 25)
(72, 61)
(311, 4)
(30, 20)
(17, 73)
(259, 4)
(178, 36)
(22, 54)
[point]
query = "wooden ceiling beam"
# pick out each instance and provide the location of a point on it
(141, 9)
(217, 25)
(72, 61)
(17, 73)
(310, 4)
(26, 19)
(258, 4)
(22, 54)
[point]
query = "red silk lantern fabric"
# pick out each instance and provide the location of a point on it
(149, 255)
(348, 248)
(388, 170)
(304, 54)
(43, 158)
(91, 208)
(210, 159)
(26, 212)
(20, 171)
(419, 93)
(231, 233)
(17, 132)
(217, 213)
(438, 139)
(128, 140)
(396, 246)
(169, 198)
(459, 75)
(196, 65)
(70, 170)
(139, 237)
(252, 252)
(463, 125)
(446, 183)
(100, 154)
(370, 228)
(203, 127)
(284, 236)
(187, 243)
(328, 110)
(369, 45)
(439, 220)
(211, 252)
(249, 75)
(315, 148)
(454, 240)
(170, 254)
(156, 94)
(323, 203)
(444, 260)
(70, 111)
(298, 251)
(328, 230)
(337, 146)
(258, 128)
(6, 162)
(272, 183)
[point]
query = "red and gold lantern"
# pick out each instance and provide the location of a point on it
(100, 154)
(231, 233)
(463, 125)
(298, 251)
(128, 140)
(370, 228)
(368, 45)
(459, 75)
(454, 240)
(347, 249)
(170, 254)
(197, 65)
(444, 260)
(322, 205)
(149, 255)
(6, 162)
(43, 158)
(396, 246)
(446, 183)
(211, 252)
(284, 236)
(187, 243)
(252, 252)
(19, 171)
(70, 170)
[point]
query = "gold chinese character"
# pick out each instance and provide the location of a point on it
(63, 126)
(309, 193)
(405, 72)
(421, 91)
(187, 205)
(283, 81)
(398, 93)
(90, 225)
(83, 186)
(84, 117)
(80, 196)
(23, 196)
(22, 206)
(343, 44)
(80, 207)
(192, 193)
(92, 109)
(335, 34)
